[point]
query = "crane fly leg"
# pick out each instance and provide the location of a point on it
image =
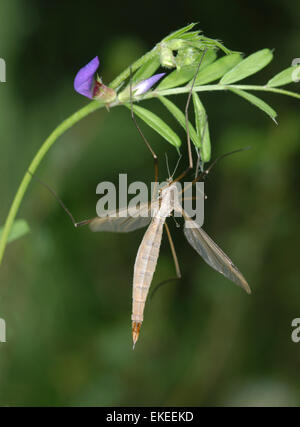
(190, 157)
(176, 263)
(155, 158)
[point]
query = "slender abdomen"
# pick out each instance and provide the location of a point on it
(144, 268)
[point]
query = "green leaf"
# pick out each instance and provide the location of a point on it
(217, 69)
(19, 229)
(214, 44)
(180, 117)
(250, 65)
(202, 128)
(180, 77)
(257, 102)
(209, 57)
(191, 36)
(177, 34)
(147, 70)
(157, 124)
(285, 77)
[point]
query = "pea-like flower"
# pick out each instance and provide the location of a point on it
(144, 85)
(87, 85)
(140, 87)
(84, 80)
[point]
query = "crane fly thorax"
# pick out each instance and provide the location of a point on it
(168, 201)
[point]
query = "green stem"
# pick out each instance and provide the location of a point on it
(133, 67)
(65, 125)
(267, 89)
(205, 88)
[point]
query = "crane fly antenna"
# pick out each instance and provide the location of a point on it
(206, 172)
(176, 166)
(76, 224)
(203, 174)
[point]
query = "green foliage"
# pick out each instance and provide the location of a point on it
(230, 68)
(195, 39)
(156, 124)
(284, 77)
(250, 65)
(146, 70)
(180, 117)
(179, 33)
(202, 129)
(259, 103)
(217, 69)
(185, 74)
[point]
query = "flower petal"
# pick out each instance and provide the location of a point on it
(145, 85)
(84, 79)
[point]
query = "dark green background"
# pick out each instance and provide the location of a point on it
(66, 294)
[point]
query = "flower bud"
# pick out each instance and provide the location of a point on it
(140, 87)
(176, 44)
(187, 56)
(166, 56)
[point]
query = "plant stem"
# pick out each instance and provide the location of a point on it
(205, 88)
(137, 64)
(65, 125)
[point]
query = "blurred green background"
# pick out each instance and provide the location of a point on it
(66, 294)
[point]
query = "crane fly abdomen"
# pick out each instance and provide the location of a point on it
(147, 257)
(144, 268)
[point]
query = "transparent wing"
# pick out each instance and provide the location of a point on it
(122, 221)
(212, 254)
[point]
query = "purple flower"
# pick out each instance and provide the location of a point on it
(84, 79)
(144, 85)
(140, 88)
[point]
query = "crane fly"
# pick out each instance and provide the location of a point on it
(154, 214)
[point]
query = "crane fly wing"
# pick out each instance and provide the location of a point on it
(212, 254)
(121, 221)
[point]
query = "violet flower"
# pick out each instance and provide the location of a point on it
(144, 85)
(140, 87)
(84, 80)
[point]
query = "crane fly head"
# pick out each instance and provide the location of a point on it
(170, 178)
